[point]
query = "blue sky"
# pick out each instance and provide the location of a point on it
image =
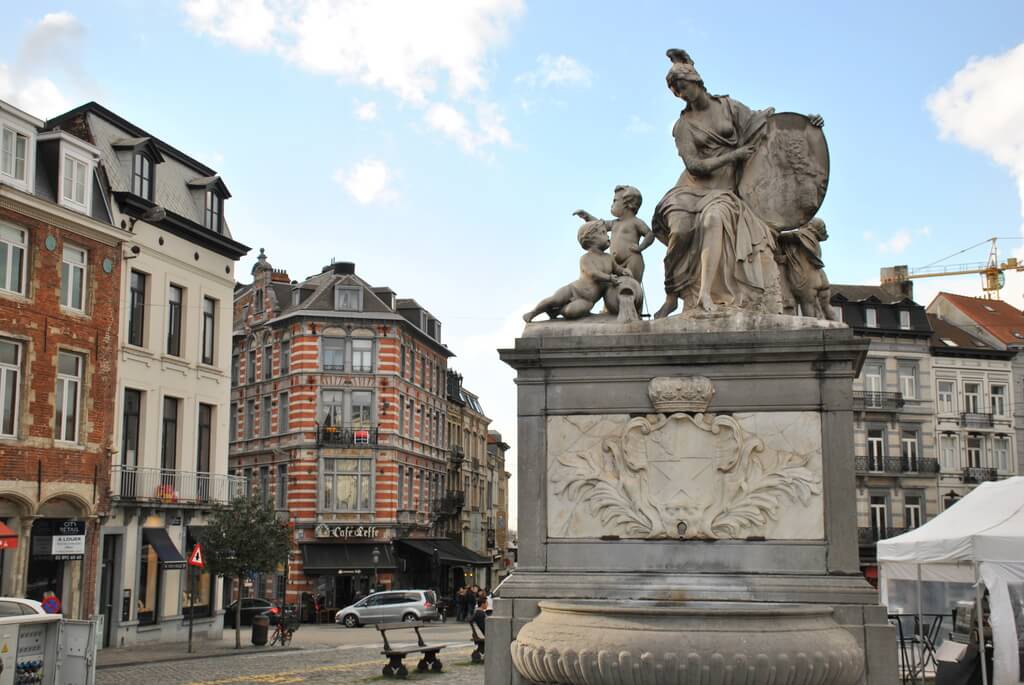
(442, 147)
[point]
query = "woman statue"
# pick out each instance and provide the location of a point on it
(719, 252)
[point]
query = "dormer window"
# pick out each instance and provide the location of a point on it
(870, 317)
(76, 183)
(142, 175)
(348, 299)
(214, 212)
(13, 154)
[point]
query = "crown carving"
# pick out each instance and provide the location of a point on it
(670, 394)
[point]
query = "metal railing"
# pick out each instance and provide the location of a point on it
(979, 474)
(346, 436)
(868, 399)
(874, 464)
(450, 504)
(970, 419)
(458, 454)
(172, 486)
(871, 535)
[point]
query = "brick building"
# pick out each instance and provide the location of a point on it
(339, 408)
(60, 269)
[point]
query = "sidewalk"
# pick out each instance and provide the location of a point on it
(161, 652)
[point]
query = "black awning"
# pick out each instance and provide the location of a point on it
(170, 557)
(448, 551)
(330, 557)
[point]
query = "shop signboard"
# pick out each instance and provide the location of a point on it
(325, 530)
(59, 539)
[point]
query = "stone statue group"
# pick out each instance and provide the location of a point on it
(738, 226)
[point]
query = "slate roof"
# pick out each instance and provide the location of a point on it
(1002, 320)
(860, 293)
(963, 342)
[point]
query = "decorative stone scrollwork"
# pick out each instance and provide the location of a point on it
(645, 643)
(682, 393)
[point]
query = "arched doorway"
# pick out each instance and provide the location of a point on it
(57, 553)
(14, 511)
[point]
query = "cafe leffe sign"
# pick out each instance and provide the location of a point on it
(325, 530)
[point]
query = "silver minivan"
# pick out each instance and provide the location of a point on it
(389, 607)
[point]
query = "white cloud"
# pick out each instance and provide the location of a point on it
(369, 182)
(488, 130)
(556, 70)
(982, 107)
(367, 111)
(249, 24)
(896, 244)
(868, 235)
(637, 126)
(924, 231)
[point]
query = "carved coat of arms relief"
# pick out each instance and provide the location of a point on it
(684, 475)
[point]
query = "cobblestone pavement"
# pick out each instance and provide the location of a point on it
(316, 665)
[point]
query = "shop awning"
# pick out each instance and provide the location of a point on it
(448, 551)
(8, 538)
(170, 557)
(331, 557)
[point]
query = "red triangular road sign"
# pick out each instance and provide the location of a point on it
(196, 557)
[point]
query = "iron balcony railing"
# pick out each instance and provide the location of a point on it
(979, 474)
(869, 399)
(449, 504)
(875, 464)
(970, 419)
(171, 486)
(458, 454)
(872, 534)
(328, 436)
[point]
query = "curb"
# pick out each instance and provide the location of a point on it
(192, 657)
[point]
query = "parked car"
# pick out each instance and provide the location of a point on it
(251, 606)
(390, 606)
(15, 606)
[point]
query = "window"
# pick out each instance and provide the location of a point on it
(174, 302)
(286, 357)
(196, 598)
(348, 298)
(260, 303)
(12, 259)
(264, 484)
(282, 412)
(401, 417)
(948, 452)
(412, 366)
(233, 421)
(401, 483)
(974, 455)
(69, 381)
(281, 487)
(75, 171)
(234, 369)
(837, 310)
(169, 442)
(209, 328)
(149, 584)
(1001, 453)
(13, 153)
(908, 379)
(137, 309)
(265, 415)
(870, 317)
(972, 397)
(401, 362)
(130, 428)
(362, 355)
(947, 397)
(876, 449)
(912, 511)
(205, 432)
(142, 176)
(72, 278)
(409, 491)
(999, 400)
(250, 367)
(878, 514)
(905, 320)
(250, 418)
(362, 409)
(268, 362)
(212, 215)
(10, 374)
(333, 407)
(334, 354)
(347, 484)
(423, 498)
(909, 449)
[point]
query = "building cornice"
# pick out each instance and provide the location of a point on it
(184, 228)
(59, 217)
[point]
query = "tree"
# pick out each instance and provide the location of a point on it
(243, 539)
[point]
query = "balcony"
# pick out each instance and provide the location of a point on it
(885, 401)
(975, 420)
(450, 504)
(869, 536)
(894, 465)
(458, 454)
(976, 474)
(332, 436)
(172, 487)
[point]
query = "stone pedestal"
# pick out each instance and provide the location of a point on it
(687, 469)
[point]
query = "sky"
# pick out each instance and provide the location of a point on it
(443, 146)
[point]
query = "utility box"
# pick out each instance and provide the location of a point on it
(47, 649)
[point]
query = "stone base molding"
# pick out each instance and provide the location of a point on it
(662, 643)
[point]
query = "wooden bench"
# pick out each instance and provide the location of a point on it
(395, 668)
(477, 657)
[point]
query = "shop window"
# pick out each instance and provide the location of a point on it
(150, 577)
(197, 593)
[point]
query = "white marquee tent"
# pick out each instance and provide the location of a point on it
(980, 537)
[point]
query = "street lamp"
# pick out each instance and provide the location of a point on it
(376, 560)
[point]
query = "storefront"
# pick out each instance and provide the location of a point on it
(55, 558)
(440, 564)
(342, 572)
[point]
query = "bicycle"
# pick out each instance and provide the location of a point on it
(287, 624)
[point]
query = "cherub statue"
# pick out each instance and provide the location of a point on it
(627, 229)
(803, 270)
(598, 270)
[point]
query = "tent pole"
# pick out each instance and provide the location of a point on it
(981, 624)
(920, 624)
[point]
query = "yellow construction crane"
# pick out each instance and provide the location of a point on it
(992, 276)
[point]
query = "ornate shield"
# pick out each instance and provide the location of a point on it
(784, 181)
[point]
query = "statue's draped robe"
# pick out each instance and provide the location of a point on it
(678, 217)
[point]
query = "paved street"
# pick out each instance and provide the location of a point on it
(323, 654)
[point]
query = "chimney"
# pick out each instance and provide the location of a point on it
(896, 283)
